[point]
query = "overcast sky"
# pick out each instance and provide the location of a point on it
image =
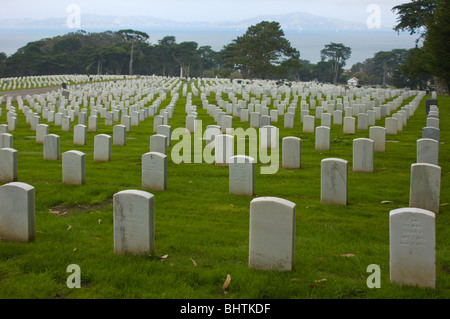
(201, 10)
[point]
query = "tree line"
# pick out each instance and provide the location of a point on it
(262, 52)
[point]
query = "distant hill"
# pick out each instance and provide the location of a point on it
(290, 21)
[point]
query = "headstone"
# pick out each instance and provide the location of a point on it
(92, 123)
(363, 121)
(325, 120)
(65, 123)
(309, 124)
(399, 118)
(363, 155)
(165, 130)
(425, 187)
(349, 125)
(333, 189)
(428, 151)
(272, 234)
(432, 122)
(8, 165)
(337, 117)
(3, 128)
(291, 156)
(268, 136)
(73, 168)
(41, 131)
(391, 126)
(17, 212)
(154, 171)
(224, 149)
(289, 120)
(210, 134)
(191, 123)
(254, 120)
(412, 247)
(51, 147)
(126, 121)
(242, 175)
(431, 132)
(79, 134)
(102, 148)
(322, 138)
(226, 124)
(158, 120)
(158, 143)
(6, 140)
(134, 222)
(378, 135)
(119, 135)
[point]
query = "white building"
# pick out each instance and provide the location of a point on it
(353, 81)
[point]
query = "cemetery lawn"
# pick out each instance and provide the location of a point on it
(202, 232)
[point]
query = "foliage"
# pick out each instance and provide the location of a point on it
(431, 19)
(337, 54)
(261, 51)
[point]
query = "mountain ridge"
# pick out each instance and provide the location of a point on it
(290, 21)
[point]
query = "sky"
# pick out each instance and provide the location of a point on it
(202, 10)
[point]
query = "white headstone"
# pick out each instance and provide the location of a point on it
(41, 131)
(224, 149)
(412, 247)
(158, 143)
(391, 125)
(334, 173)
(425, 187)
(154, 171)
(272, 234)
(165, 130)
(51, 147)
(428, 151)
(79, 134)
(134, 222)
(73, 168)
(6, 140)
(102, 148)
(92, 123)
(378, 135)
(289, 120)
(17, 212)
(291, 156)
(322, 138)
(309, 124)
(363, 155)
(119, 135)
(349, 125)
(242, 175)
(8, 165)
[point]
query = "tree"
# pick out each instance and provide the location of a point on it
(261, 50)
(337, 53)
(186, 54)
(437, 44)
(132, 36)
(429, 18)
(415, 16)
(164, 51)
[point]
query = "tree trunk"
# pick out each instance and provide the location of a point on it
(131, 58)
(442, 87)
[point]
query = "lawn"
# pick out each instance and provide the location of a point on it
(202, 232)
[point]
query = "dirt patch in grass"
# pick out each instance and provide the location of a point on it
(61, 210)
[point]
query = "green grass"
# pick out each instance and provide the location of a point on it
(204, 230)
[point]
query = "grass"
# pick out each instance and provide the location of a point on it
(202, 230)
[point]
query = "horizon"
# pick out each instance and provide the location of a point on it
(201, 10)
